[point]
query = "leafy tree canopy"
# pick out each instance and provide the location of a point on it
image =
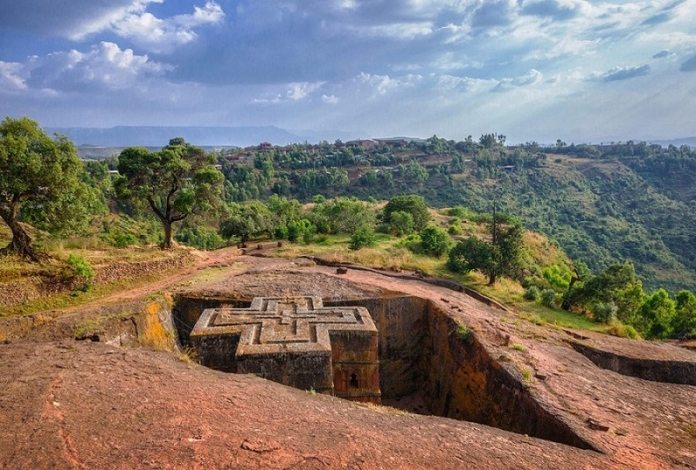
(175, 182)
(247, 220)
(435, 240)
(412, 204)
(41, 180)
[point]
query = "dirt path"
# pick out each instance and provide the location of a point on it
(202, 260)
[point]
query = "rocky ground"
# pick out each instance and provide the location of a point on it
(67, 403)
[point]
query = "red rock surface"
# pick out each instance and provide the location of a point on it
(71, 404)
(88, 405)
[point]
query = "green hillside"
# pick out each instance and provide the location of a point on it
(602, 204)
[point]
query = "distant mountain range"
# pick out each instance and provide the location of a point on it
(242, 136)
(158, 136)
(690, 141)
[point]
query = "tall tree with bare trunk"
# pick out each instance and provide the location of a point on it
(175, 182)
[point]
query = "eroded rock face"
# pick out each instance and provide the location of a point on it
(92, 405)
(677, 367)
(545, 389)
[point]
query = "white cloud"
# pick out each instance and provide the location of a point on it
(330, 99)
(394, 30)
(105, 66)
(80, 19)
(11, 76)
(299, 91)
(382, 84)
(621, 73)
(294, 92)
(164, 35)
(530, 78)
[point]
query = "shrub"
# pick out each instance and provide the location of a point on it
(412, 242)
(604, 312)
(81, 272)
(684, 320)
(413, 204)
(435, 241)
(342, 215)
(122, 231)
(455, 227)
(532, 293)
(202, 238)
(281, 232)
(548, 298)
(454, 230)
(472, 253)
(464, 332)
(401, 223)
(301, 230)
(616, 328)
(362, 237)
(123, 240)
(457, 211)
(558, 275)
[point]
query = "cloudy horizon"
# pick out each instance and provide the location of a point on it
(530, 69)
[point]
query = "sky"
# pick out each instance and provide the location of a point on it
(579, 70)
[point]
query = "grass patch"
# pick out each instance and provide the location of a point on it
(518, 347)
(384, 409)
(526, 375)
(557, 317)
(71, 299)
(87, 327)
(389, 254)
(187, 356)
(616, 328)
(464, 333)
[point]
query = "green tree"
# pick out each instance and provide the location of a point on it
(618, 284)
(401, 223)
(301, 229)
(412, 204)
(501, 257)
(472, 253)
(509, 242)
(342, 215)
(434, 240)
(40, 177)
(362, 237)
(684, 321)
(656, 315)
(247, 220)
(175, 182)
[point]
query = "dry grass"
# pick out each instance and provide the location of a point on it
(691, 429)
(386, 255)
(526, 375)
(383, 409)
(87, 327)
(187, 356)
(70, 299)
(543, 251)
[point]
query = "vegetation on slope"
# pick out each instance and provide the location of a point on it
(603, 204)
(180, 184)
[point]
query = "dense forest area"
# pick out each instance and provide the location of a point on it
(602, 203)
